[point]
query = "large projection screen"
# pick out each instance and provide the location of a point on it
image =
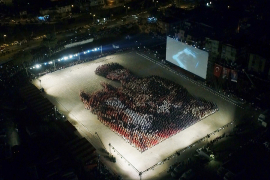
(187, 57)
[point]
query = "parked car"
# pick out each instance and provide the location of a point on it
(3, 133)
(178, 170)
(24, 41)
(221, 171)
(187, 175)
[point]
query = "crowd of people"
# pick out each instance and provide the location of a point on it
(114, 71)
(144, 111)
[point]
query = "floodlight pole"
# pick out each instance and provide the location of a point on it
(40, 83)
(101, 49)
(54, 65)
(110, 149)
(54, 111)
(99, 164)
(25, 69)
(100, 141)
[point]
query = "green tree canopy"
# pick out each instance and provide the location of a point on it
(22, 57)
(50, 40)
(93, 29)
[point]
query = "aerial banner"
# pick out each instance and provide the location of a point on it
(234, 75)
(225, 73)
(217, 70)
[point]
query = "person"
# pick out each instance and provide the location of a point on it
(144, 111)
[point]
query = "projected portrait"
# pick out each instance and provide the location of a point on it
(144, 111)
(187, 57)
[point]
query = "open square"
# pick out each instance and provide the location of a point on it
(62, 89)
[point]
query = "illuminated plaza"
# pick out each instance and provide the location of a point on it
(62, 88)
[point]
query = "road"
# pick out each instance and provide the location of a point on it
(60, 36)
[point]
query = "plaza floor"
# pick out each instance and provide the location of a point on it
(62, 89)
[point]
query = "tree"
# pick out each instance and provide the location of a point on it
(50, 41)
(153, 11)
(93, 30)
(22, 57)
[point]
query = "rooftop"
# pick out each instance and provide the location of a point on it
(233, 166)
(170, 20)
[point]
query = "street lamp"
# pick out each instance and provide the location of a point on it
(155, 3)
(126, 9)
(40, 83)
(5, 38)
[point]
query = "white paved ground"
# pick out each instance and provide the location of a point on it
(62, 89)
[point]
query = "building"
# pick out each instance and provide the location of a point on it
(212, 46)
(114, 2)
(167, 24)
(96, 3)
(85, 5)
(262, 120)
(185, 4)
(233, 53)
(256, 63)
(259, 61)
(89, 3)
(232, 170)
(57, 10)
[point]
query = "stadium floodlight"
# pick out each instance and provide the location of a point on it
(95, 49)
(45, 63)
(65, 58)
(50, 62)
(38, 66)
(59, 59)
(84, 52)
(88, 51)
(33, 67)
(70, 56)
